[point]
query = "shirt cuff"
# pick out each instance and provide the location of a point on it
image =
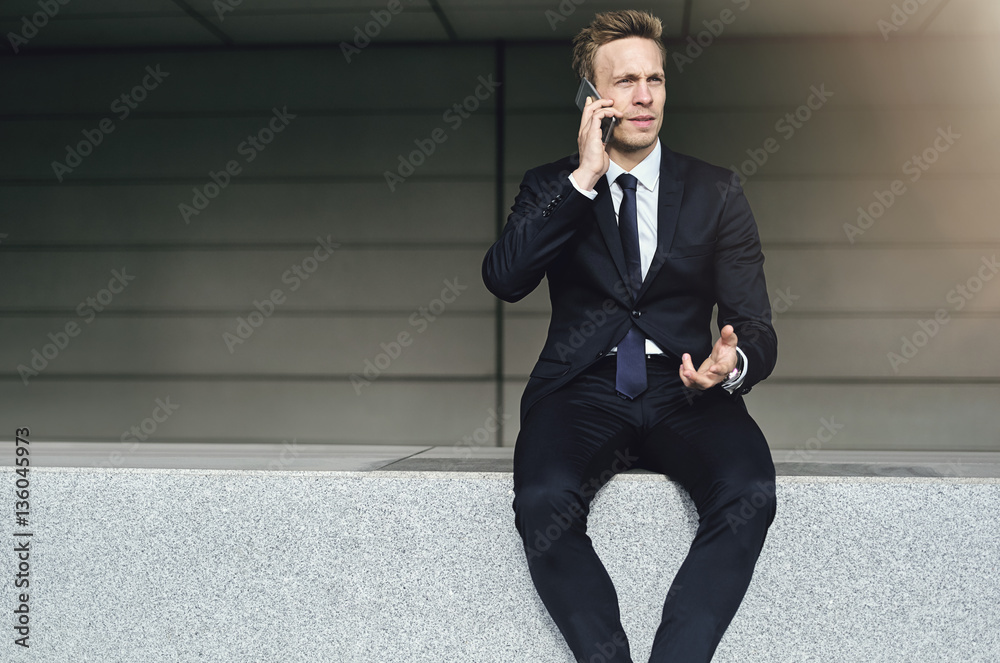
(589, 194)
(733, 385)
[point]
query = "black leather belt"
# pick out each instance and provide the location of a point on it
(659, 355)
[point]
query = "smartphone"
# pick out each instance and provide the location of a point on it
(585, 90)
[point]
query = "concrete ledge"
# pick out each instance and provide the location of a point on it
(175, 564)
(458, 458)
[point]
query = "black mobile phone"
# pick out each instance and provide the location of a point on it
(585, 90)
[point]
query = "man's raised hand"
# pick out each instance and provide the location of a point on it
(594, 159)
(716, 367)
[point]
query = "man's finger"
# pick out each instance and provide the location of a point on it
(692, 377)
(686, 360)
(729, 338)
(686, 368)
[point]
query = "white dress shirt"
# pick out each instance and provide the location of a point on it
(647, 192)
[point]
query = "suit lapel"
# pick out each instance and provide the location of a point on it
(668, 206)
(608, 224)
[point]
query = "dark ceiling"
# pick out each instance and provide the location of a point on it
(172, 23)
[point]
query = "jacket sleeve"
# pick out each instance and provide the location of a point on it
(740, 288)
(545, 215)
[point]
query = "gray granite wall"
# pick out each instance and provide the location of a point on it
(225, 565)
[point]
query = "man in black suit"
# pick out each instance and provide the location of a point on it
(638, 244)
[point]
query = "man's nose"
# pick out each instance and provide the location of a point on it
(642, 94)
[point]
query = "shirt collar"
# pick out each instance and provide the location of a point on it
(646, 171)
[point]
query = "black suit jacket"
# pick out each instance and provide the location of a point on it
(708, 252)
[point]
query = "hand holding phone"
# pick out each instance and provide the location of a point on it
(585, 90)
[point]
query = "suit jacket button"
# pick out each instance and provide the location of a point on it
(636, 314)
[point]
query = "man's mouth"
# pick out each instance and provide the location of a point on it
(642, 120)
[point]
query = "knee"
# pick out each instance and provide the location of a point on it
(749, 499)
(544, 513)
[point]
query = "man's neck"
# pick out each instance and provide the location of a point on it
(629, 160)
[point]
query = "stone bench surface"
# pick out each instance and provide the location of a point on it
(457, 458)
(191, 552)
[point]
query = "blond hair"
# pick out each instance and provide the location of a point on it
(609, 26)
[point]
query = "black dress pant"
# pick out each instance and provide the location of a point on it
(576, 438)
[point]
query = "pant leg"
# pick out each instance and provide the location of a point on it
(570, 444)
(716, 451)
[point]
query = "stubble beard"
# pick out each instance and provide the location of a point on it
(631, 143)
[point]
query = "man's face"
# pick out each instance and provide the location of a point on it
(630, 71)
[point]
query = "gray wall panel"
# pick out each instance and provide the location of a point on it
(452, 344)
(306, 147)
(418, 212)
(271, 411)
(359, 278)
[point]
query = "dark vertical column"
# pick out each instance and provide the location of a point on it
(686, 19)
(501, 111)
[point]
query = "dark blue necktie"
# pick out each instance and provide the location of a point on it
(630, 379)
